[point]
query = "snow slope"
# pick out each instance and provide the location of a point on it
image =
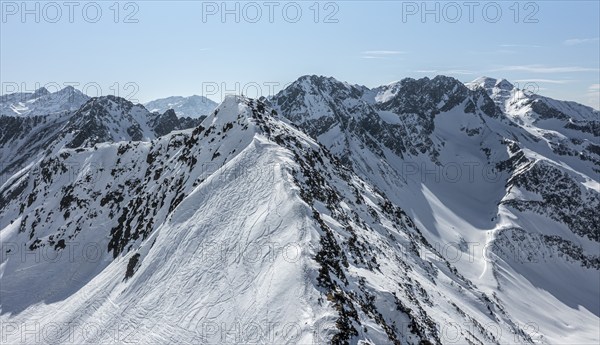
(241, 230)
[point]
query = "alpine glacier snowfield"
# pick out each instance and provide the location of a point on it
(421, 212)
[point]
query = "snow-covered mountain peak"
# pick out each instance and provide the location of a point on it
(193, 106)
(441, 83)
(504, 84)
(42, 102)
(482, 82)
(317, 84)
(319, 97)
(449, 83)
(528, 106)
(400, 114)
(490, 84)
(42, 91)
(109, 118)
(314, 79)
(109, 106)
(232, 109)
(70, 91)
(425, 96)
(170, 113)
(384, 93)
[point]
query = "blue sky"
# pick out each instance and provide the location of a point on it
(185, 47)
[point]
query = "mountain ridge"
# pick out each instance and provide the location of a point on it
(303, 209)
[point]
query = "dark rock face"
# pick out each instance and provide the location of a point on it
(189, 122)
(132, 265)
(169, 122)
(426, 97)
(92, 123)
(165, 123)
(562, 198)
(527, 247)
(548, 112)
(318, 104)
(22, 138)
(592, 127)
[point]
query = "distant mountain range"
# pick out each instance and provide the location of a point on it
(41, 102)
(49, 122)
(425, 211)
(193, 106)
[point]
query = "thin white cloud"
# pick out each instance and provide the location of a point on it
(458, 71)
(520, 46)
(446, 72)
(593, 96)
(383, 52)
(546, 69)
(546, 81)
(493, 52)
(576, 41)
(594, 88)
